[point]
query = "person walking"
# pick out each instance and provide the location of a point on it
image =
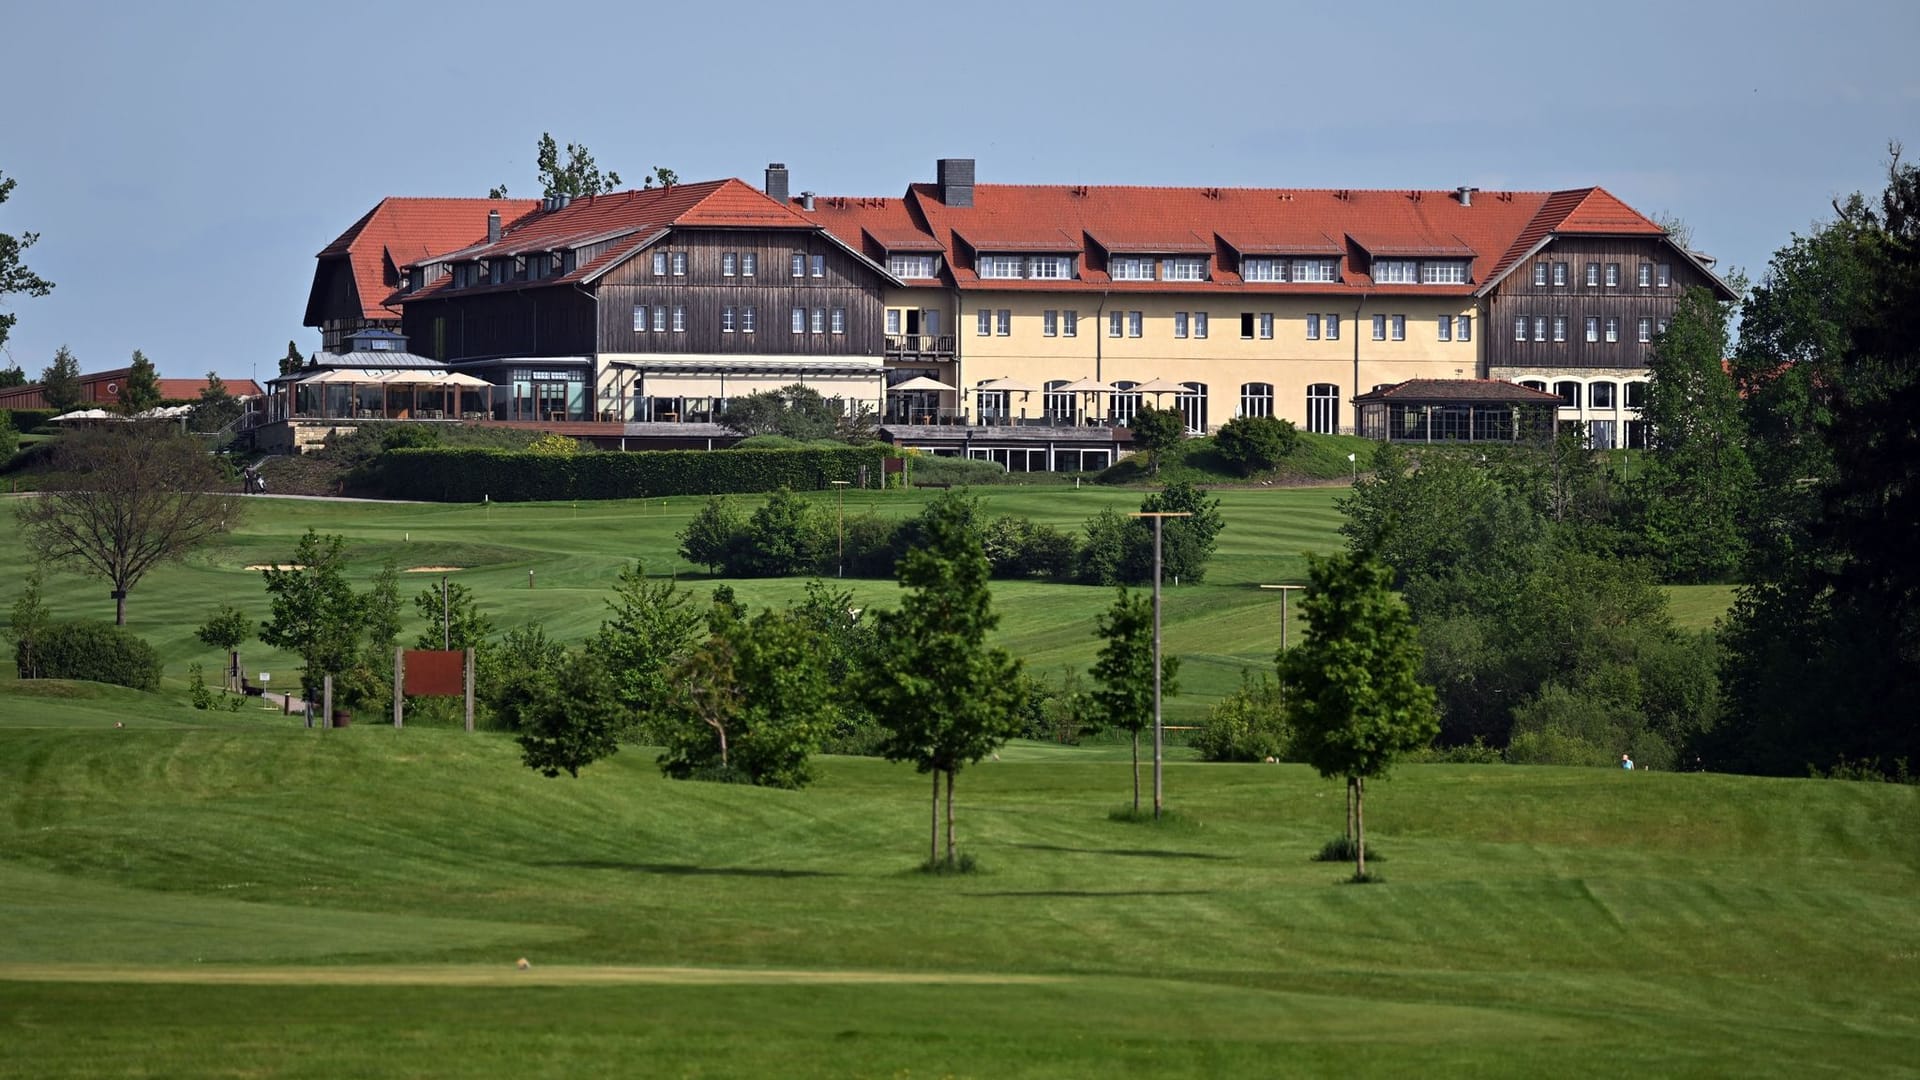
(1626, 762)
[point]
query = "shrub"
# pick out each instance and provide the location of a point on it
(784, 536)
(1250, 724)
(9, 438)
(1340, 850)
(1256, 444)
(873, 545)
(461, 474)
(1018, 548)
(28, 421)
(958, 471)
(97, 652)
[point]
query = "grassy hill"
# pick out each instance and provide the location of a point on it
(247, 898)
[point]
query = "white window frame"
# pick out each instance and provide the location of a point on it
(1593, 275)
(746, 320)
(1559, 275)
(1463, 328)
(1136, 324)
(726, 320)
(1199, 324)
(1443, 272)
(799, 320)
(1262, 269)
(1330, 327)
(838, 323)
(679, 264)
(1323, 408)
(1646, 329)
(1183, 268)
(1314, 270)
(1593, 329)
(749, 262)
(910, 267)
(1399, 328)
(983, 323)
(1049, 268)
(1520, 324)
(819, 263)
(1069, 324)
(729, 264)
(1613, 276)
(1116, 324)
(1266, 326)
(1001, 267)
(1594, 394)
(1560, 329)
(819, 320)
(1663, 275)
(797, 263)
(1539, 328)
(1313, 327)
(1539, 275)
(1132, 268)
(1179, 324)
(1443, 330)
(1256, 399)
(679, 319)
(659, 264)
(1050, 323)
(893, 322)
(1396, 271)
(1613, 329)
(1643, 276)
(1379, 328)
(1003, 323)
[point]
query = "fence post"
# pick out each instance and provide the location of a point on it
(399, 677)
(469, 688)
(326, 702)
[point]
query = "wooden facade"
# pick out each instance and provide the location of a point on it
(538, 321)
(1567, 259)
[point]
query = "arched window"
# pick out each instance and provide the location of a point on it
(1534, 384)
(1569, 392)
(1125, 404)
(1256, 399)
(1323, 409)
(1600, 395)
(1636, 395)
(1192, 403)
(1059, 406)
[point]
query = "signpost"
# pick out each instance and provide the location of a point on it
(1158, 516)
(1284, 590)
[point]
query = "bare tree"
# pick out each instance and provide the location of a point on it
(123, 499)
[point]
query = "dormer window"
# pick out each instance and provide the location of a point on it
(1183, 269)
(1396, 271)
(1002, 266)
(1132, 268)
(1316, 270)
(1263, 269)
(1050, 267)
(910, 267)
(1454, 272)
(497, 271)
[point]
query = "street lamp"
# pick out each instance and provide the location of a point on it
(840, 494)
(1284, 590)
(1158, 516)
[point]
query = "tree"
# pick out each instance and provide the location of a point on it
(9, 437)
(225, 629)
(570, 720)
(11, 376)
(945, 698)
(60, 381)
(217, 406)
(1123, 672)
(292, 361)
(1697, 479)
(796, 411)
(1157, 431)
(1256, 444)
(121, 500)
(651, 628)
(141, 390)
(784, 536)
(1187, 544)
(454, 620)
(15, 278)
(312, 611)
(578, 174)
(1353, 685)
(710, 536)
(30, 621)
(754, 699)
(508, 672)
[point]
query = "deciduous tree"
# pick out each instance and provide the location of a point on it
(650, 628)
(753, 699)
(12, 375)
(454, 619)
(570, 721)
(1123, 672)
(225, 629)
(1256, 444)
(1156, 431)
(15, 278)
(576, 174)
(312, 610)
(710, 536)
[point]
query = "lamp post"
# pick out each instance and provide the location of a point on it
(840, 514)
(1158, 516)
(1284, 590)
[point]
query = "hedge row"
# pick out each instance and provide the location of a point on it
(96, 651)
(464, 474)
(26, 420)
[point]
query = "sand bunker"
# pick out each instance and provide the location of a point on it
(433, 569)
(277, 566)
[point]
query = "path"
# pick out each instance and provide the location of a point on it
(504, 974)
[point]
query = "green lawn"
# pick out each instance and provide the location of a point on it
(246, 898)
(1698, 607)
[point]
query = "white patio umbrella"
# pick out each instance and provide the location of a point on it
(919, 382)
(1084, 386)
(1008, 385)
(1156, 386)
(86, 414)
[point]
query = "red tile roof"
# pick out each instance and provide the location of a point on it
(400, 231)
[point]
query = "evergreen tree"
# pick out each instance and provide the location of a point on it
(652, 626)
(292, 361)
(141, 390)
(217, 406)
(60, 382)
(453, 621)
(1123, 672)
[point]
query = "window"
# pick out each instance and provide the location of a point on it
(1395, 271)
(1004, 324)
(1519, 328)
(1560, 328)
(1263, 269)
(679, 264)
(1183, 270)
(1613, 275)
(1256, 399)
(930, 321)
(1116, 324)
(908, 267)
(1332, 326)
(799, 320)
(1444, 272)
(819, 266)
(1246, 326)
(1540, 275)
(659, 320)
(1316, 269)
(1660, 327)
(1539, 328)
(748, 263)
(983, 322)
(1636, 395)
(679, 319)
(1600, 395)
(1593, 275)
(1131, 268)
(1266, 325)
(1643, 275)
(1593, 329)
(1001, 266)
(1445, 329)
(1399, 328)
(839, 324)
(1569, 392)
(1135, 323)
(746, 320)
(893, 320)
(1192, 403)
(1179, 324)
(1050, 268)
(1613, 330)
(1069, 324)
(1379, 328)
(726, 320)
(819, 320)
(1050, 324)
(1646, 330)
(659, 264)
(799, 264)
(1199, 324)
(1059, 406)
(1560, 275)
(639, 318)
(1663, 275)
(1534, 384)
(729, 264)
(1323, 409)
(1313, 328)
(1463, 328)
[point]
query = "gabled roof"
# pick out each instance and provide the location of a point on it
(399, 231)
(1588, 211)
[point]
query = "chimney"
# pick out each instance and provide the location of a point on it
(776, 188)
(806, 201)
(493, 226)
(1465, 195)
(956, 181)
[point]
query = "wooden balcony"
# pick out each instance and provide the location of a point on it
(919, 346)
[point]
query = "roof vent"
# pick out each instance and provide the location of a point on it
(493, 226)
(1465, 195)
(806, 201)
(776, 185)
(955, 177)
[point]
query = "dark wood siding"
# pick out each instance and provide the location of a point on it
(773, 292)
(553, 320)
(1519, 297)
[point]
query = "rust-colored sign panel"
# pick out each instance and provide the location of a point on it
(436, 673)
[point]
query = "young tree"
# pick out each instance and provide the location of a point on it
(1256, 444)
(15, 278)
(651, 628)
(1353, 685)
(1123, 672)
(1157, 431)
(578, 174)
(292, 361)
(226, 627)
(217, 406)
(29, 623)
(60, 381)
(709, 537)
(946, 698)
(454, 620)
(508, 672)
(570, 721)
(1187, 543)
(141, 391)
(123, 499)
(312, 611)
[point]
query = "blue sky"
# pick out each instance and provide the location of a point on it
(184, 162)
